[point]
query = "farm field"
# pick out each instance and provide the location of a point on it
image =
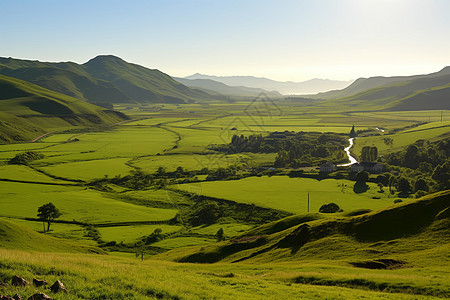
(21, 200)
(291, 194)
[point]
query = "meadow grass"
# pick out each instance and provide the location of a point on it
(291, 194)
(127, 278)
(25, 173)
(87, 170)
(76, 203)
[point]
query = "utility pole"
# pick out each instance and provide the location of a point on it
(441, 116)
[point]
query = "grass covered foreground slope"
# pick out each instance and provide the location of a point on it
(103, 79)
(28, 110)
(16, 236)
(413, 234)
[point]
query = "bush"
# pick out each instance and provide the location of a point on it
(330, 208)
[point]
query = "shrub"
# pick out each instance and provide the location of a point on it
(330, 208)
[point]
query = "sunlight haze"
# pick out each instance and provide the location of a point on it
(281, 40)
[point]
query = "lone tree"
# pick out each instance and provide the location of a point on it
(47, 213)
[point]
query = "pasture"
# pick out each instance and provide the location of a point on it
(291, 194)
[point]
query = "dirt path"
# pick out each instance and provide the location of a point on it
(41, 136)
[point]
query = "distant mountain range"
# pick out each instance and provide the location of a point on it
(105, 78)
(284, 87)
(216, 87)
(108, 79)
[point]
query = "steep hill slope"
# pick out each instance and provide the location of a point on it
(28, 110)
(401, 232)
(16, 236)
(104, 79)
(363, 84)
(73, 82)
(139, 83)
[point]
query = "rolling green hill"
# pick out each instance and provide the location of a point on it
(401, 232)
(28, 110)
(16, 236)
(103, 79)
(418, 94)
(364, 84)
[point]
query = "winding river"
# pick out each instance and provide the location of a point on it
(347, 151)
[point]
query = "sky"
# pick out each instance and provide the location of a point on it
(283, 40)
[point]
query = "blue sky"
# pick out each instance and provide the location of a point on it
(283, 40)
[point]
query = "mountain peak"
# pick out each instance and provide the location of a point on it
(105, 58)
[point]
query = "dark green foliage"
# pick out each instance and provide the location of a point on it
(93, 233)
(421, 155)
(221, 173)
(220, 235)
(25, 158)
(47, 213)
(441, 175)
(330, 208)
(369, 154)
(362, 176)
(421, 185)
(156, 236)
(295, 149)
(388, 141)
(205, 213)
(404, 186)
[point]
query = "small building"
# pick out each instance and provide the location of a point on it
(371, 167)
(327, 167)
(356, 167)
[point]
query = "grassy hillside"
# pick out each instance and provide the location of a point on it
(15, 236)
(363, 84)
(139, 83)
(402, 232)
(74, 82)
(104, 79)
(28, 110)
(418, 94)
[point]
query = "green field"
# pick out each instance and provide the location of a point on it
(291, 194)
(76, 203)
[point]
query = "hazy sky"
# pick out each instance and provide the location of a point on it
(283, 40)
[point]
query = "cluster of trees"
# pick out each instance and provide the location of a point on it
(424, 164)
(138, 179)
(369, 154)
(25, 158)
(294, 149)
